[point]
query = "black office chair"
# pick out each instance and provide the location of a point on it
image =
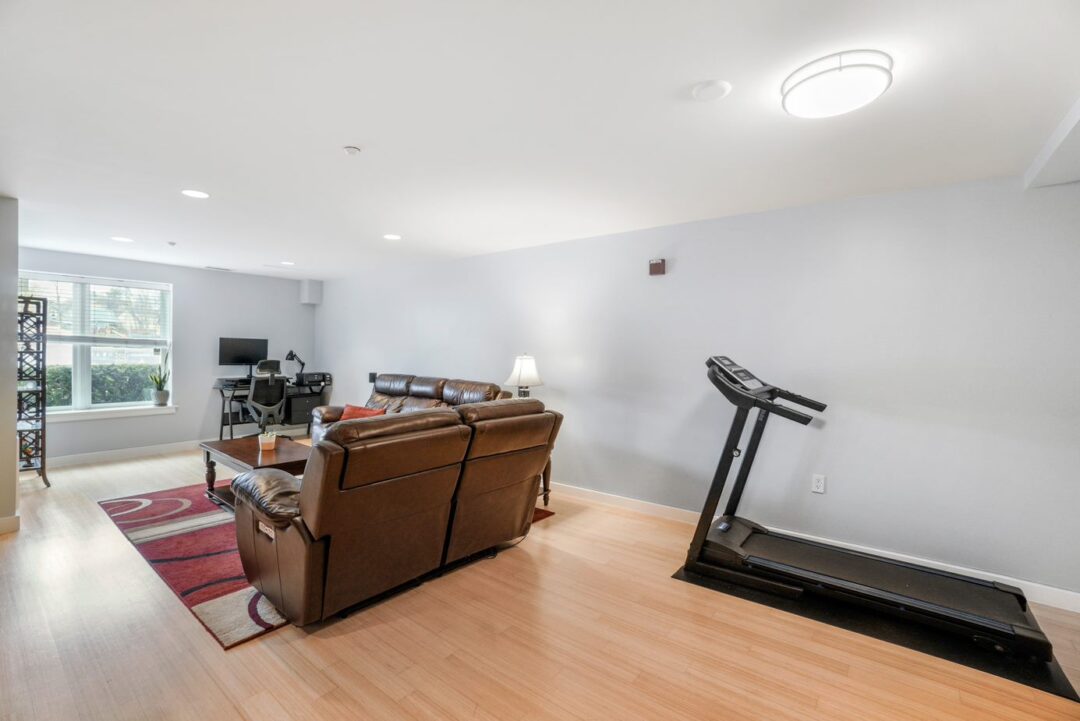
(266, 398)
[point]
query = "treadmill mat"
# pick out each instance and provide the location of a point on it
(1046, 677)
(941, 590)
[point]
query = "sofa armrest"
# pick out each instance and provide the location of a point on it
(271, 492)
(327, 414)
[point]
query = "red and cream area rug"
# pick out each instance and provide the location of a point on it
(191, 544)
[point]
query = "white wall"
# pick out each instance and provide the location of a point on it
(206, 305)
(9, 262)
(940, 325)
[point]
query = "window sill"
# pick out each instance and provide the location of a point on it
(95, 414)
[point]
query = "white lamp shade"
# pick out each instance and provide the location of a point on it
(524, 374)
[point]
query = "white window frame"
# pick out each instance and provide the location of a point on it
(81, 398)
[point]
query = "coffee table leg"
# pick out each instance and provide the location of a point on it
(211, 474)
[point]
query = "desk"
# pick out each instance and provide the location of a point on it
(300, 401)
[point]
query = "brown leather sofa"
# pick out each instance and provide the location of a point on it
(401, 393)
(390, 499)
(510, 449)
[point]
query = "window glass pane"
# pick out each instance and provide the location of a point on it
(121, 375)
(104, 337)
(132, 313)
(58, 358)
(63, 315)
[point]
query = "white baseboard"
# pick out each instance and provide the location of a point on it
(121, 454)
(9, 524)
(1036, 592)
(631, 504)
(127, 454)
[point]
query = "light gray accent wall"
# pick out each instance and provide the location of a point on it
(940, 325)
(9, 286)
(206, 305)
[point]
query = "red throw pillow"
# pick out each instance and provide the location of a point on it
(351, 412)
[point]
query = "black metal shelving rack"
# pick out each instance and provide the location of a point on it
(30, 418)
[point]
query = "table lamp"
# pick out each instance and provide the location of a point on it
(524, 375)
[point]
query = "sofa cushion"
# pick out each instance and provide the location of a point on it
(412, 403)
(352, 412)
(421, 387)
(393, 384)
(506, 426)
(489, 410)
(458, 392)
(391, 404)
(346, 432)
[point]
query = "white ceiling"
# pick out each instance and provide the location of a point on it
(487, 125)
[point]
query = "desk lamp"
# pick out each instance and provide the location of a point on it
(293, 357)
(524, 375)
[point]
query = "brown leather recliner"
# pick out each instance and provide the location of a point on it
(510, 448)
(386, 500)
(370, 514)
(402, 393)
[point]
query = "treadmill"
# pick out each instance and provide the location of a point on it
(739, 551)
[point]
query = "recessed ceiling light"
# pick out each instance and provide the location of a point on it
(837, 83)
(287, 262)
(352, 150)
(709, 90)
(391, 236)
(195, 194)
(121, 239)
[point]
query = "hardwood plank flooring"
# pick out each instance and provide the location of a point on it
(580, 621)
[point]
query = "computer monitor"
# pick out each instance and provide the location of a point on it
(241, 351)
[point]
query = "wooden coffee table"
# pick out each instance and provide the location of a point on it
(243, 454)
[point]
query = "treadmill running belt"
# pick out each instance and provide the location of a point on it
(964, 596)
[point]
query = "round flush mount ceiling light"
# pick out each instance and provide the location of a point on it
(201, 195)
(352, 150)
(287, 262)
(837, 83)
(121, 239)
(708, 90)
(391, 236)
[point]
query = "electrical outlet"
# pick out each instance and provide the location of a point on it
(817, 483)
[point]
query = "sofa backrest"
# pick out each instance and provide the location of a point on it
(402, 393)
(380, 490)
(511, 444)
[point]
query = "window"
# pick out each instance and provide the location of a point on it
(104, 338)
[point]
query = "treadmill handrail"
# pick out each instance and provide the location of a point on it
(801, 400)
(744, 399)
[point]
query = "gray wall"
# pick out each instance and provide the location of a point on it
(940, 325)
(9, 262)
(206, 305)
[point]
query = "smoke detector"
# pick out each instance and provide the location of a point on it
(709, 90)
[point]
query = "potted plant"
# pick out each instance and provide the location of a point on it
(160, 378)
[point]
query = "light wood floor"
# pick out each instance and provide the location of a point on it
(580, 621)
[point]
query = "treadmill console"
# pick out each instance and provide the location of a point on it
(735, 372)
